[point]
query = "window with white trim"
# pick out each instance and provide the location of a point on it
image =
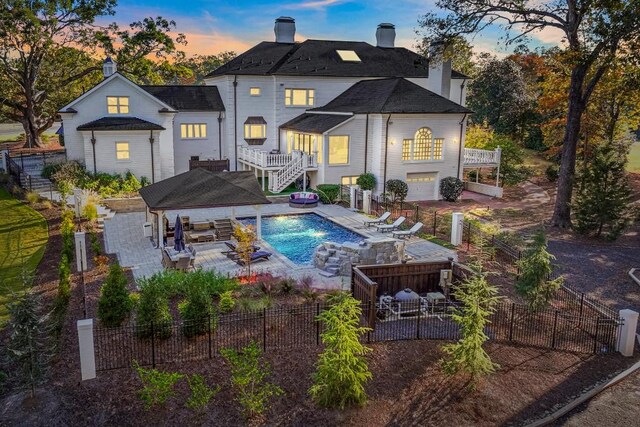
(339, 150)
(349, 180)
(255, 91)
(421, 177)
(255, 131)
(305, 142)
(122, 151)
(193, 130)
(299, 97)
(423, 146)
(118, 104)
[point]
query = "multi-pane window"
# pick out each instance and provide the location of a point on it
(437, 148)
(122, 151)
(193, 130)
(305, 142)
(421, 177)
(254, 91)
(423, 147)
(349, 180)
(422, 144)
(299, 97)
(255, 131)
(118, 104)
(406, 149)
(338, 150)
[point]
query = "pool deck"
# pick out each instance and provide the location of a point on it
(123, 236)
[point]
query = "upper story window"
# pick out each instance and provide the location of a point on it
(193, 130)
(299, 97)
(255, 130)
(348, 56)
(423, 146)
(118, 104)
(338, 150)
(122, 151)
(255, 91)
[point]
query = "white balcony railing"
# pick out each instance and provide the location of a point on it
(263, 159)
(477, 157)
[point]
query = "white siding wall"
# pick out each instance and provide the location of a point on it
(94, 106)
(457, 91)
(206, 148)
(355, 129)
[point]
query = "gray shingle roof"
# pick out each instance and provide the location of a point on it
(200, 188)
(188, 98)
(395, 95)
(319, 58)
(315, 123)
(120, 123)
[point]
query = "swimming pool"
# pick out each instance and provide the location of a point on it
(296, 236)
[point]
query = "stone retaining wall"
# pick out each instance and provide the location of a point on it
(337, 258)
(122, 205)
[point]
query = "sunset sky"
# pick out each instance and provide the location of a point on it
(214, 26)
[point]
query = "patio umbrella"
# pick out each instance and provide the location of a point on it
(178, 235)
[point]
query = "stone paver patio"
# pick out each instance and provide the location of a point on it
(124, 236)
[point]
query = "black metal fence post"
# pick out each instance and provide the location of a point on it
(418, 321)
(264, 329)
(555, 326)
(581, 306)
(210, 353)
(435, 221)
(153, 346)
(595, 338)
(468, 236)
(317, 323)
(513, 313)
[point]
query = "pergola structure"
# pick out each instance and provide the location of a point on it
(201, 189)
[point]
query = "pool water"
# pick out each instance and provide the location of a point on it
(297, 236)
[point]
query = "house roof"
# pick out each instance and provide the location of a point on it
(315, 123)
(200, 188)
(319, 58)
(458, 75)
(188, 98)
(120, 123)
(394, 95)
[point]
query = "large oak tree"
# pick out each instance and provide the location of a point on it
(50, 50)
(595, 31)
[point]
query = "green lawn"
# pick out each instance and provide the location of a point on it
(23, 236)
(634, 158)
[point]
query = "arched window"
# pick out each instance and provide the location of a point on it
(422, 144)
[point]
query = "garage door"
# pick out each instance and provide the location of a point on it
(422, 185)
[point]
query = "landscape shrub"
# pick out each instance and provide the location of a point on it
(66, 231)
(32, 197)
(341, 371)
(201, 393)
(249, 374)
(49, 170)
(195, 311)
(472, 174)
(90, 212)
(226, 302)
(71, 174)
(287, 285)
(367, 181)
(4, 178)
(451, 188)
(552, 172)
(64, 279)
(535, 266)
(253, 304)
(94, 242)
(174, 282)
(306, 289)
(397, 190)
(153, 315)
(114, 305)
(157, 386)
(328, 193)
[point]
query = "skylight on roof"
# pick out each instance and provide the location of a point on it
(348, 56)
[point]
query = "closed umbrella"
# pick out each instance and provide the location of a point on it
(178, 236)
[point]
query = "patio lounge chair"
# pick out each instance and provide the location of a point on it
(233, 249)
(380, 220)
(391, 227)
(408, 233)
(256, 256)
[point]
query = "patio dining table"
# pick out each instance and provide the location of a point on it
(175, 255)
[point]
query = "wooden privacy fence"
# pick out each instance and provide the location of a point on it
(210, 165)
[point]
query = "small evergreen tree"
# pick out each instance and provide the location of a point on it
(397, 190)
(478, 299)
(601, 203)
(153, 312)
(115, 304)
(341, 370)
(246, 237)
(366, 181)
(29, 348)
(195, 310)
(534, 282)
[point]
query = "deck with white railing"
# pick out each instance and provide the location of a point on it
(474, 157)
(263, 159)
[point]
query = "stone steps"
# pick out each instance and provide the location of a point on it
(224, 228)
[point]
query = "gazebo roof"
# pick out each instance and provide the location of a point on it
(200, 188)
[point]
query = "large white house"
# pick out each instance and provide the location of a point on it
(326, 110)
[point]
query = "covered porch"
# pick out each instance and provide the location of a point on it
(478, 159)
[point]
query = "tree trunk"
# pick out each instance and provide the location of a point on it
(32, 132)
(562, 212)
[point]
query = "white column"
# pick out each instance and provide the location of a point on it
(160, 230)
(366, 201)
(457, 225)
(626, 342)
(87, 349)
(499, 155)
(233, 212)
(263, 184)
(77, 201)
(353, 194)
(304, 180)
(81, 251)
(258, 222)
